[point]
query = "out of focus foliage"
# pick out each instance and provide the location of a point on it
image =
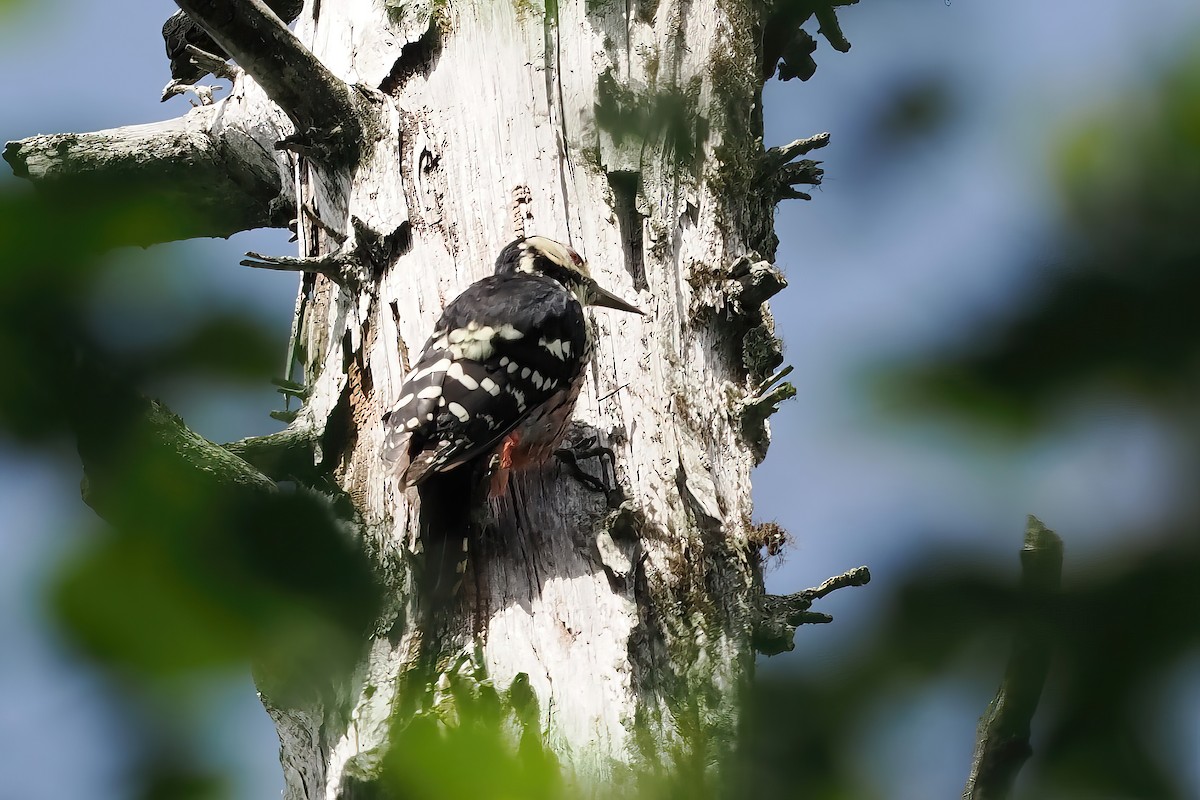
(462, 747)
(1118, 314)
(201, 565)
(1115, 322)
(192, 576)
(8, 7)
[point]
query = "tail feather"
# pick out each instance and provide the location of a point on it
(446, 503)
(395, 449)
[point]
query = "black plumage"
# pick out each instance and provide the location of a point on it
(179, 31)
(491, 392)
(536, 349)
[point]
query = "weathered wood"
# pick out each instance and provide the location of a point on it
(215, 167)
(632, 625)
(321, 106)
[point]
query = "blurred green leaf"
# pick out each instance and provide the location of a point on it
(1118, 316)
(207, 565)
(1118, 634)
(427, 761)
(269, 580)
(670, 116)
(223, 344)
(470, 723)
(45, 280)
(11, 6)
(125, 600)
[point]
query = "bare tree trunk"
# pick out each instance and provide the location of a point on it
(620, 599)
(629, 613)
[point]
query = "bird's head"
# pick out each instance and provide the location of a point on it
(538, 255)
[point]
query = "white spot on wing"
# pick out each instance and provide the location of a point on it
(456, 372)
(477, 350)
(490, 386)
(475, 340)
(429, 392)
(525, 372)
(509, 332)
(458, 411)
(554, 347)
(439, 366)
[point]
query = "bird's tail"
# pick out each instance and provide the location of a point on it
(447, 500)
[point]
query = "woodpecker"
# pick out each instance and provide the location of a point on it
(503, 368)
(495, 385)
(179, 31)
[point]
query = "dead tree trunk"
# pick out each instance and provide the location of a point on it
(620, 596)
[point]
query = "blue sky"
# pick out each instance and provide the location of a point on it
(904, 250)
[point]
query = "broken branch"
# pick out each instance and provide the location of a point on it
(320, 104)
(218, 181)
(293, 454)
(1002, 741)
(780, 615)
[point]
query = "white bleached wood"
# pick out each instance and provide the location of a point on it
(217, 164)
(631, 624)
(508, 100)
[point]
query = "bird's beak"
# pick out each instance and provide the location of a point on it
(603, 297)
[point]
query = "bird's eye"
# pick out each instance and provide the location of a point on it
(576, 259)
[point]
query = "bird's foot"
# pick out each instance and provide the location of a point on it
(570, 457)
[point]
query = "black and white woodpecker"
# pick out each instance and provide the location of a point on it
(495, 385)
(179, 31)
(502, 370)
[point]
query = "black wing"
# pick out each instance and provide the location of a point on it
(501, 348)
(179, 31)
